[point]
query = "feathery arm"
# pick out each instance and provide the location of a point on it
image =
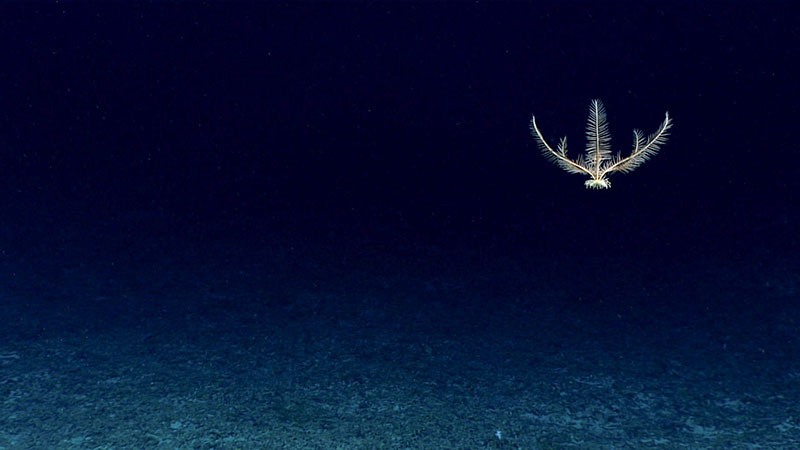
(558, 156)
(643, 148)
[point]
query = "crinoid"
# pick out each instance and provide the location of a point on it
(599, 162)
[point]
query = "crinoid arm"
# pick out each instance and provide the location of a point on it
(598, 138)
(559, 155)
(643, 148)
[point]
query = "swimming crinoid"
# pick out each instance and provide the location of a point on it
(598, 161)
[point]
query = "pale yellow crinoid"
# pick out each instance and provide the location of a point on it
(599, 162)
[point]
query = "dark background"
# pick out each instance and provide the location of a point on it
(403, 120)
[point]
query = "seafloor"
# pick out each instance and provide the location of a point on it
(135, 333)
